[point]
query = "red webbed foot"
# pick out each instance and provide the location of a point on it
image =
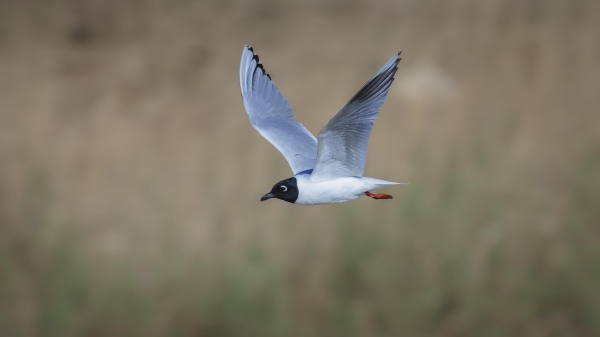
(378, 195)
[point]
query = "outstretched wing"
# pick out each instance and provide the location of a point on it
(342, 149)
(272, 117)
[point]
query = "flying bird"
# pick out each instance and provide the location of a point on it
(327, 169)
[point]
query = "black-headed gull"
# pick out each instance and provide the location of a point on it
(328, 169)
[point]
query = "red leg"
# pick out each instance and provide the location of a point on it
(378, 195)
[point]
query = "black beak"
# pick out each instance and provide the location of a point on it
(267, 196)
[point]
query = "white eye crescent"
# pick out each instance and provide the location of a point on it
(283, 188)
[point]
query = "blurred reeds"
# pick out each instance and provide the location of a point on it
(130, 176)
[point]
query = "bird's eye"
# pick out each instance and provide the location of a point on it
(283, 188)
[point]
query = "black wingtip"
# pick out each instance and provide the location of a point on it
(379, 81)
(258, 64)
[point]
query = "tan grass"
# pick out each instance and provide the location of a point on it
(130, 176)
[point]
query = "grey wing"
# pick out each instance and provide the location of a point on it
(342, 149)
(272, 117)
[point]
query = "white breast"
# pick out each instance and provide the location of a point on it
(331, 191)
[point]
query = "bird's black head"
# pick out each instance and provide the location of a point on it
(286, 190)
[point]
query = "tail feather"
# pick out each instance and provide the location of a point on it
(381, 183)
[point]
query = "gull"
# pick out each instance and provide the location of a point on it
(327, 169)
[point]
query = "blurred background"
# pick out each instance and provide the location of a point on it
(130, 176)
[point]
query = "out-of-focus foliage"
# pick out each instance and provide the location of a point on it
(130, 176)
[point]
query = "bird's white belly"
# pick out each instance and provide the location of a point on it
(329, 192)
